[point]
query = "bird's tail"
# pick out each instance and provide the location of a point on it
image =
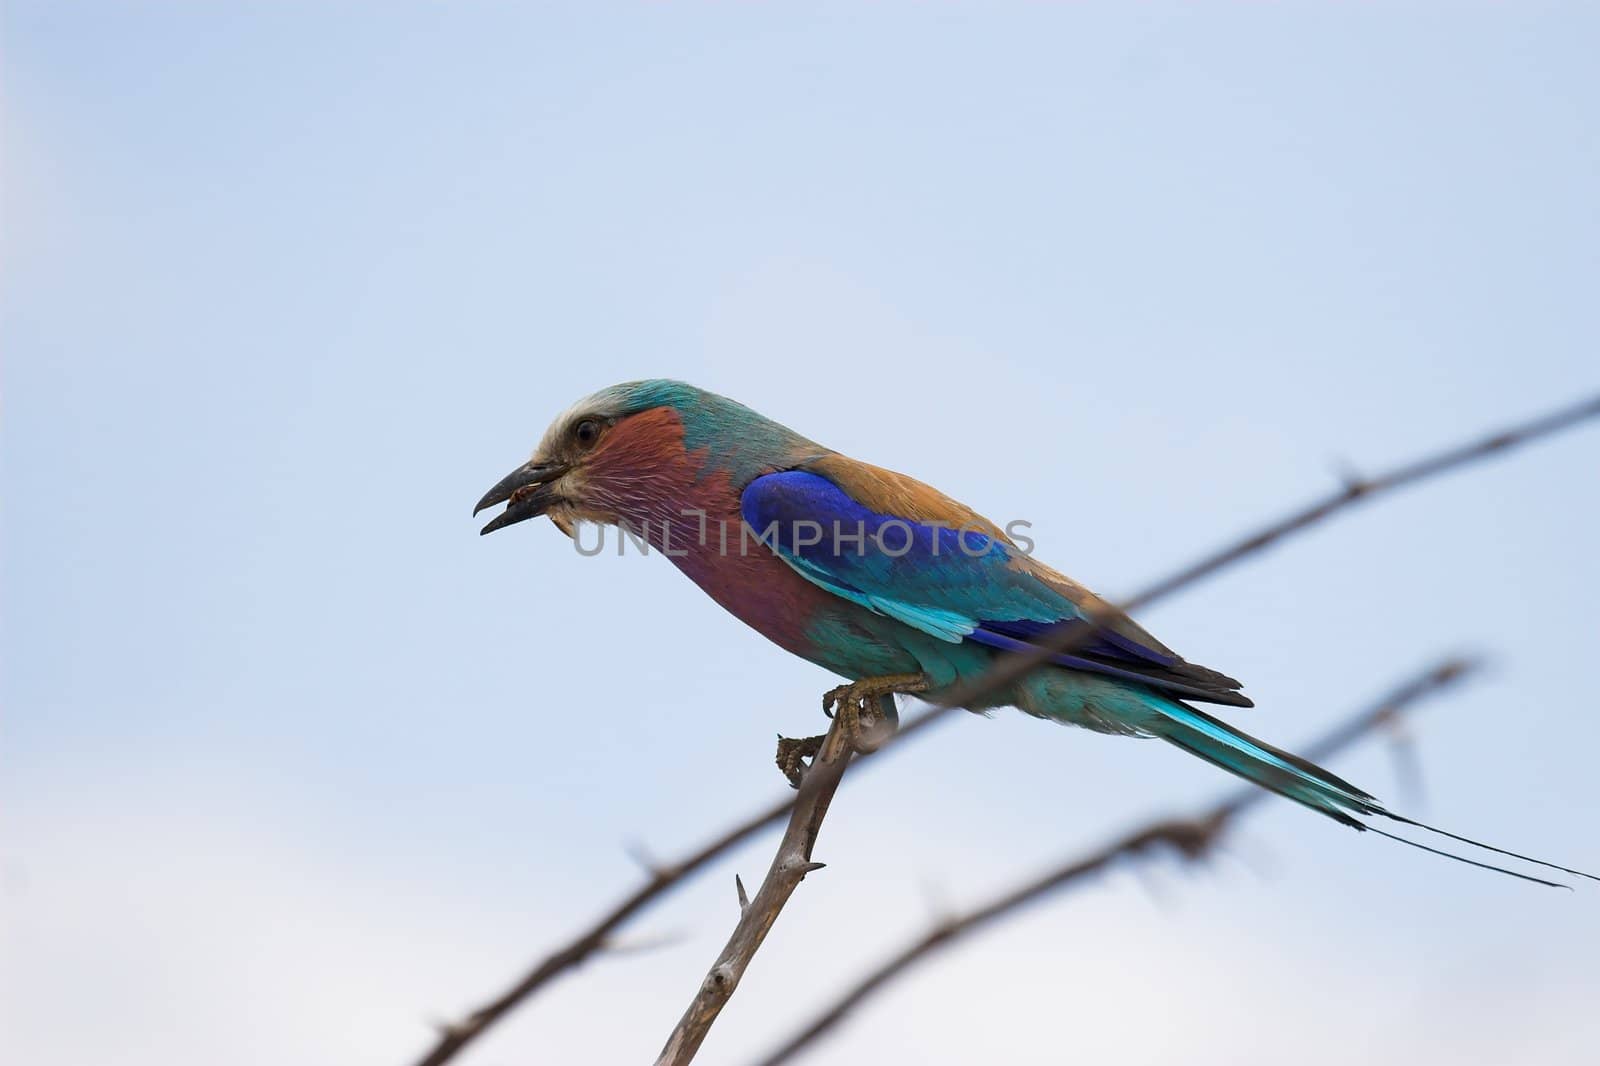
(1260, 763)
(1305, 782)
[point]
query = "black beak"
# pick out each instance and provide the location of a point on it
(528, 489)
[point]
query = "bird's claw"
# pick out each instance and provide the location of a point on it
(863, 712)
(792, 756)
(858, 720)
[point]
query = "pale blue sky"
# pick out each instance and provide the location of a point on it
(293, 763)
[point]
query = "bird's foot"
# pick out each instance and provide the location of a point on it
(792, 756)
(865, 709)
(865, 714)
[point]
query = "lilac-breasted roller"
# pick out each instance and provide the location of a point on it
(877, 577)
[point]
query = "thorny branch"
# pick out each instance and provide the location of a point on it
(1192, 838)
(757, 915)
(455, 1036)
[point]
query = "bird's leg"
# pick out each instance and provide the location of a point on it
(866, 714)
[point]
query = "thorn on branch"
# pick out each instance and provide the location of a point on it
(454, 1030)
(1192, 838)
(1351, 479)
(648, 863)
(744, 899)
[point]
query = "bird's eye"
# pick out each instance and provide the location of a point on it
(586, 433)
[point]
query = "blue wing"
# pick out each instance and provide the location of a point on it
(952, 583)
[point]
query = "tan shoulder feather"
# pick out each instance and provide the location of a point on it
(889, 492)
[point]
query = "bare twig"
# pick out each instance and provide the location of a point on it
(457, 1035)
(1190, 837)
(789, 867)
(596, 938)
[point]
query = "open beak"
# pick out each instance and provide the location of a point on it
(528, 490)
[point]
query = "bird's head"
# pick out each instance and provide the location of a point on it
(611, 456)
(587, 457)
